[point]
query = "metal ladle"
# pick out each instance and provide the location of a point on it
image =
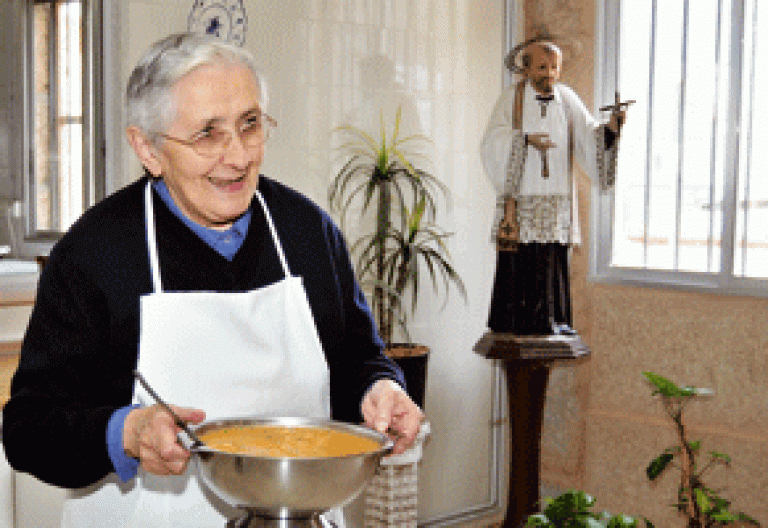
(196, 442)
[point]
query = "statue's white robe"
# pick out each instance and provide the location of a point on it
(546, 207)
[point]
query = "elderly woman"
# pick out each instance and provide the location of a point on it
(230, 293)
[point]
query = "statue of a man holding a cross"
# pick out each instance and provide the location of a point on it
(537, 129)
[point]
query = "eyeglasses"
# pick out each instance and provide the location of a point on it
(213, 141)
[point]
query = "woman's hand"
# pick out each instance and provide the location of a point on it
(149, 435)
(389, 410)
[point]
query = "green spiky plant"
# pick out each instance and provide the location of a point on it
(702, 505)
(399, 257)
(382, 172)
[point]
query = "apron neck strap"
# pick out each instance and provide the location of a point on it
(273, 232)
(149, 217)
(154, 261)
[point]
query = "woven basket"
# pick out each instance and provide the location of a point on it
(391, 497)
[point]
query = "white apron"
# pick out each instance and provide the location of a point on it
(253, 353)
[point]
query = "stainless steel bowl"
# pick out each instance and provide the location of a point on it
(286, 487)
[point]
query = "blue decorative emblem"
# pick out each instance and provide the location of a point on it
(221, 18)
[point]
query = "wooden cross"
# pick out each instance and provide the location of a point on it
(544, 100)
(544, 163)
(617, 105)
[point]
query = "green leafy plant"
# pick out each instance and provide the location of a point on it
(405, 252)
(573, 509)
(381, 172)
(703, 506)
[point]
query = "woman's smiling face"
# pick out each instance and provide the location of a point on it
(211, 191)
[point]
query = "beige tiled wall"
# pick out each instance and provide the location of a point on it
(701, 340)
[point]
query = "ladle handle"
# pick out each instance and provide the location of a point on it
(196, 442)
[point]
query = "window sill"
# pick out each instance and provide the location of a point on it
(684, 282)
(18, 289)
(17, 298)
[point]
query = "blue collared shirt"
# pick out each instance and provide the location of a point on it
(227, 244)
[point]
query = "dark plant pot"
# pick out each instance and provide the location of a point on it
(412, 359)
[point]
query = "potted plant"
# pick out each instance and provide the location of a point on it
(400, 199)
(573, 509)
(703, 506)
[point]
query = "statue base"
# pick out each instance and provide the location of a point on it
(527, 361)
(511, 347)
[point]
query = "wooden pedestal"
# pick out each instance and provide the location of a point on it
(527, 362)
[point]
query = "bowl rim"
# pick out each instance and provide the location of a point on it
(386, 445)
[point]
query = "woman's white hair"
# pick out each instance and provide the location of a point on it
(149, 104)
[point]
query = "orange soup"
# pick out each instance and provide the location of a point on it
(281, 441)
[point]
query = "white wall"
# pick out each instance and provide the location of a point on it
(447, 61)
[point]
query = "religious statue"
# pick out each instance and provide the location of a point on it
(537, 129)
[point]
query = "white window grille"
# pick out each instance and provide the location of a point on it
(691, 200)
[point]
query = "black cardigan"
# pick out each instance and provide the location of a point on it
(81, 344)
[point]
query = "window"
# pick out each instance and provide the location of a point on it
(691, 200)
(62, 128)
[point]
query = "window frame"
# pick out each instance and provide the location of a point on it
(40, 242)
(601, 222)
